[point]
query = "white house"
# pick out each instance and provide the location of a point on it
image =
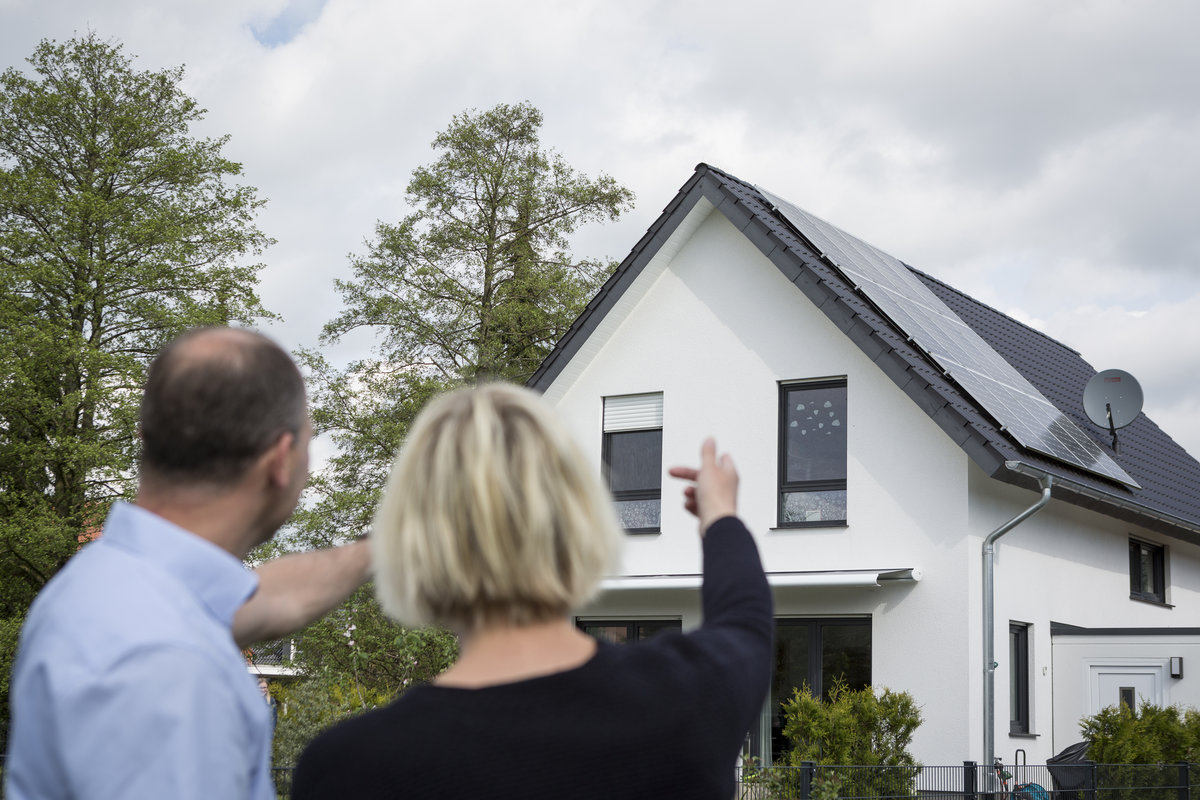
(885, 427)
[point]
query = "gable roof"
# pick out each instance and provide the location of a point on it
(1168, 499)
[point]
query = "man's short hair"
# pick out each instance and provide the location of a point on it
(215, 400)
(491, 515)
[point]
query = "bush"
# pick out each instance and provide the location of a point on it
(306, 708)
(1147, 735)
(1140, 745)
(855, 728)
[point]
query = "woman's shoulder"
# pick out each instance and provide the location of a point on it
(360, 733)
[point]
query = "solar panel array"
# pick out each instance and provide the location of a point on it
(1004, 393)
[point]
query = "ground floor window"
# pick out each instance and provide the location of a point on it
(813, 653)
(627, 631)
(1018, 677)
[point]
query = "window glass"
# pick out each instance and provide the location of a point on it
(639, 514)
(635, 460)
(814, 506)
(1018, 678)
(627, 631)
(813, 653)
(845, 655)
(815, 433)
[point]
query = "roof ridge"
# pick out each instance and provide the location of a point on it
(993, 309)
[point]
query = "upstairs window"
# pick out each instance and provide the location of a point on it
(632, 453)
(1147, 571)
(812, 453)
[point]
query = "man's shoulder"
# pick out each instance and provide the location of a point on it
(105, 601)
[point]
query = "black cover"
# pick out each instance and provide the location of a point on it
(1071, 769)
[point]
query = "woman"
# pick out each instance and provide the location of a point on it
(492, 523)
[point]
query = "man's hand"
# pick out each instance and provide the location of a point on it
(713, 493)
(300, 588)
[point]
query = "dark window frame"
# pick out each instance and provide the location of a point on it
(1018, 663)
(785, 486)
(633, 626)
(815, 668)
(632, 494)
(1158, 568)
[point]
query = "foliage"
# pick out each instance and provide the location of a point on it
(353, 660)
(768, 783)
(855, 727)
(478, 283)
(1136, 748)
(1147, 735)
(826, 787)
(305, 708)
(359, 644)
(858, 727)
(118, 230)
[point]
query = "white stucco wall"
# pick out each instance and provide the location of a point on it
(1070, 565)
(715, 327)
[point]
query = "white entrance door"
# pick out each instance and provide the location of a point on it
(1133, 681)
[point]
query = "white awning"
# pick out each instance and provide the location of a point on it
(846, 577)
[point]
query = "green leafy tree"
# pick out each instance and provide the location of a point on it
(476, 283)
(359, 643)
(118, 230)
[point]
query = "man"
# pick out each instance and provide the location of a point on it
(130, 681)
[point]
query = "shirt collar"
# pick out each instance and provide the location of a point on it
(214, 576)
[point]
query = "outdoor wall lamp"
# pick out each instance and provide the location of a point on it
(1176, 666)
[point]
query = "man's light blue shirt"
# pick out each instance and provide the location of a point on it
(128, 683)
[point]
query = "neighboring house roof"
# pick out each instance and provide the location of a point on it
(1168, 499)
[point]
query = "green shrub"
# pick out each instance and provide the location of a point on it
(854, 728)
(308, 707)
(1141, 745)
(1147, 735)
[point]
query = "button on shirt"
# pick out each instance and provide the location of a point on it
(128, 683)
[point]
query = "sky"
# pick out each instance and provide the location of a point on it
(1040, 156)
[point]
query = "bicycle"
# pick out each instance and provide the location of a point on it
(1022, 791)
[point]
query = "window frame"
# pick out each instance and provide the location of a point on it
(1158, 567)
(1018, 664)
(786, 487)
(761, 741)
(632, 626)
(607, 432)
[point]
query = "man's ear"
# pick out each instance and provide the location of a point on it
(278, 459)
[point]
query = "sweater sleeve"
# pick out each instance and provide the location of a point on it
(738, 616)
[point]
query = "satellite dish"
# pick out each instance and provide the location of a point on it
(1112, 399)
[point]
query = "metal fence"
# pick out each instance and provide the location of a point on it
(967, 782)
(971, 782)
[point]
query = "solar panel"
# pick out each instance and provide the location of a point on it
(929, 323)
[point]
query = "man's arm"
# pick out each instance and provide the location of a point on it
(297, 589)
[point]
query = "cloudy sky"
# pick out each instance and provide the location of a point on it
(1041, 156)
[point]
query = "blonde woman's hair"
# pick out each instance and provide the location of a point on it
(491, 515)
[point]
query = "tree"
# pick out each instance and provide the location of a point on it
(476, 283)
(118, 230)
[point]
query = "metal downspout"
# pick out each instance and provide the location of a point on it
(989, 615)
